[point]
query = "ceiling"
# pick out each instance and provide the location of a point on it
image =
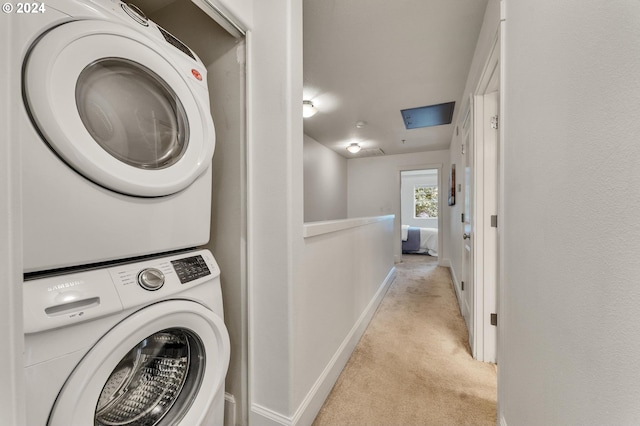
(366, 60)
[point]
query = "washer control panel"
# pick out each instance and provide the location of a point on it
(190, 268)
(61, 300)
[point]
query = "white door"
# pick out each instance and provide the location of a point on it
(467, 229)
(112, 105)
(162, 366)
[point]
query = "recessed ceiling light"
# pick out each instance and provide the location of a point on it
(360, 124)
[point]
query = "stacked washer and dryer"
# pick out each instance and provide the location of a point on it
(122, 315)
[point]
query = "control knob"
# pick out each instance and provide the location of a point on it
(151, 279)
(135, 13)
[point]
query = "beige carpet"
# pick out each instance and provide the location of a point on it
(413, 365)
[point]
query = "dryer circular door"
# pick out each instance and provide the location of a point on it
(112, 104)
(163, 365)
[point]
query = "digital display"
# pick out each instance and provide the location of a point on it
(190, 268)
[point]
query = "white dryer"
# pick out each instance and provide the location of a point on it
(116, 134)
(134, 344)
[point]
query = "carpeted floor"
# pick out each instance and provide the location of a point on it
(413, 365)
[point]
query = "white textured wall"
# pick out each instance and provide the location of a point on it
(374, 189)
(570, 340)
(325, 182)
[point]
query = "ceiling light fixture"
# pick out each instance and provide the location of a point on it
(308, 110)
(354, 148)
(360, 124)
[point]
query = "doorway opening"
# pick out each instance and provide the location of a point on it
(420, 214)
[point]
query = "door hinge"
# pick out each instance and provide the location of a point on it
(494, 319)
(494, 122)
(462, 286)
(462, 217)
(494, 221)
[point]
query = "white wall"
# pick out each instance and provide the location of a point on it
(407, 198)
(374, 189)
(348, 266)
(12, 401)
(288, 375)
(571, 153)
(275, 202)
(325, 182)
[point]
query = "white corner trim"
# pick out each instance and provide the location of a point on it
(229, 410)
(312, 229)
(268, 417)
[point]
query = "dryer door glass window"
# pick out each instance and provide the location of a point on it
(155, 383)
(132, 113)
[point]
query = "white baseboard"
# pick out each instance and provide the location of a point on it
(311, 404)
(456, 286)
(229, 410)
(262, 416)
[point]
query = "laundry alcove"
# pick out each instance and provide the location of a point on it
(220, 43)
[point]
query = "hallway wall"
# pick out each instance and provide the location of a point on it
(325, 182)
(374, 190)
(569, 337)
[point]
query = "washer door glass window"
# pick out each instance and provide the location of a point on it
(155, 382)
(132, 113)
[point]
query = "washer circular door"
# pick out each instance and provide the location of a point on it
(112, 105)
(163, 365)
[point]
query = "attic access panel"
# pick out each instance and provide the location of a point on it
(427, 116)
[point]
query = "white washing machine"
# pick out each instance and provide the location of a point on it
(133, 344)
(116, 135)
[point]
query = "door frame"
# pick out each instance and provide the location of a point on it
(486, 192)
(13, 406)
(441, 190)
(468, 247)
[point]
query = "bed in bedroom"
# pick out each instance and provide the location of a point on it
(419, 240)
